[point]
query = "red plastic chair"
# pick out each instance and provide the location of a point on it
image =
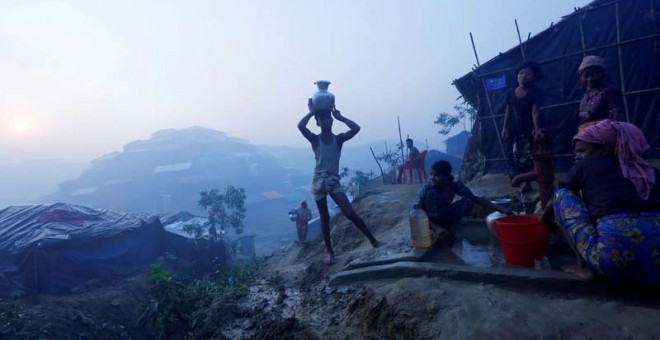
(419, 166)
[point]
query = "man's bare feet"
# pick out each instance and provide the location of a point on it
(439, 233)
(580, 271)
(329, 259)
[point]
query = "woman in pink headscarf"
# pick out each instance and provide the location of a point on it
(609, 205)
(602, 101)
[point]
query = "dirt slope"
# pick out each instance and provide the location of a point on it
(293, 300)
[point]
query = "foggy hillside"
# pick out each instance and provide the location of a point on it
(167, 172)
(144, 165)
(22, 183)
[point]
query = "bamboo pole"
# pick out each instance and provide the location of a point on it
(522, 49)
(403, 158)
(474, 49)
(644, 90)
(620, 53)
(653, 10)
(584, 44)
(382, 174)
(490, 104)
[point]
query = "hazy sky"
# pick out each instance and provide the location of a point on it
(79, 79)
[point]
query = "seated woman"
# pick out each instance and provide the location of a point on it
(609, 206)
(436, 200)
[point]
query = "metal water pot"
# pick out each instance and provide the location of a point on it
(503, 202)
(322, 99)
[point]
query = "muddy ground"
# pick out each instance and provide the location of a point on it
(291, 298)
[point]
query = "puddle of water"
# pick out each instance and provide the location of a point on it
(463, 251)
(474, 246)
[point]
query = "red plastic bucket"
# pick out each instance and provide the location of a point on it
(523, 238)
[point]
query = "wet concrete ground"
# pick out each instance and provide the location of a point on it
(474, 246)
(475, 255)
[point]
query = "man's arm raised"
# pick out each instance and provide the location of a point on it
(352, 126)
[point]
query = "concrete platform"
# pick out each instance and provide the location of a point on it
(510, 276)
(415, 255)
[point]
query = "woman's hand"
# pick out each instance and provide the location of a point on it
(336, 113)
(538, 134)
(505, 133)
(310, 105)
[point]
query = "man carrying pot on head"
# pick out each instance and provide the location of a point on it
(304, 214)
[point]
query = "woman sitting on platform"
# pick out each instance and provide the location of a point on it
(609, 206)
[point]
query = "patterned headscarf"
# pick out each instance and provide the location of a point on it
(629, 143)
(591, 60)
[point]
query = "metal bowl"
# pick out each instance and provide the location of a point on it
(504, 202)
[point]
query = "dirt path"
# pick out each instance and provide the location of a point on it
(296, 302)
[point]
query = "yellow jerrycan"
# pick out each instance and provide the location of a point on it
(420, 233)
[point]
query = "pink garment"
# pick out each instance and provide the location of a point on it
(628, 142)
(602, 103)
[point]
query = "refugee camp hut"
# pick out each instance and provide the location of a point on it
(58, 247)
(625, 32)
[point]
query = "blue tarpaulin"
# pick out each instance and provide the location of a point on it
(54, 248)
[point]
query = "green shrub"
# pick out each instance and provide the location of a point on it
(171, 306)
(16, 320)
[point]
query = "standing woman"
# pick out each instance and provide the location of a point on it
(602, 101)
(522, 120)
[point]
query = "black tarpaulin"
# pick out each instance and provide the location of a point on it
(625, 33)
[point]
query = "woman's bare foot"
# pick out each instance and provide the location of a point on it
(329, 259)
(580, 271)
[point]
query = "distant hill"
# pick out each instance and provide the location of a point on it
(167, 171)
(25, 182)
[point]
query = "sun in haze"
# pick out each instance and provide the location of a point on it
(21, 126)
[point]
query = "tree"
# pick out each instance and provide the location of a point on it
(225, 210)
(464, 113)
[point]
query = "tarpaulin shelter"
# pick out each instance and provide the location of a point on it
(626, 33)
(54, 248)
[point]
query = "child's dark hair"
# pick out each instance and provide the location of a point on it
(442, 168)
(409, 140)
(536, 69)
